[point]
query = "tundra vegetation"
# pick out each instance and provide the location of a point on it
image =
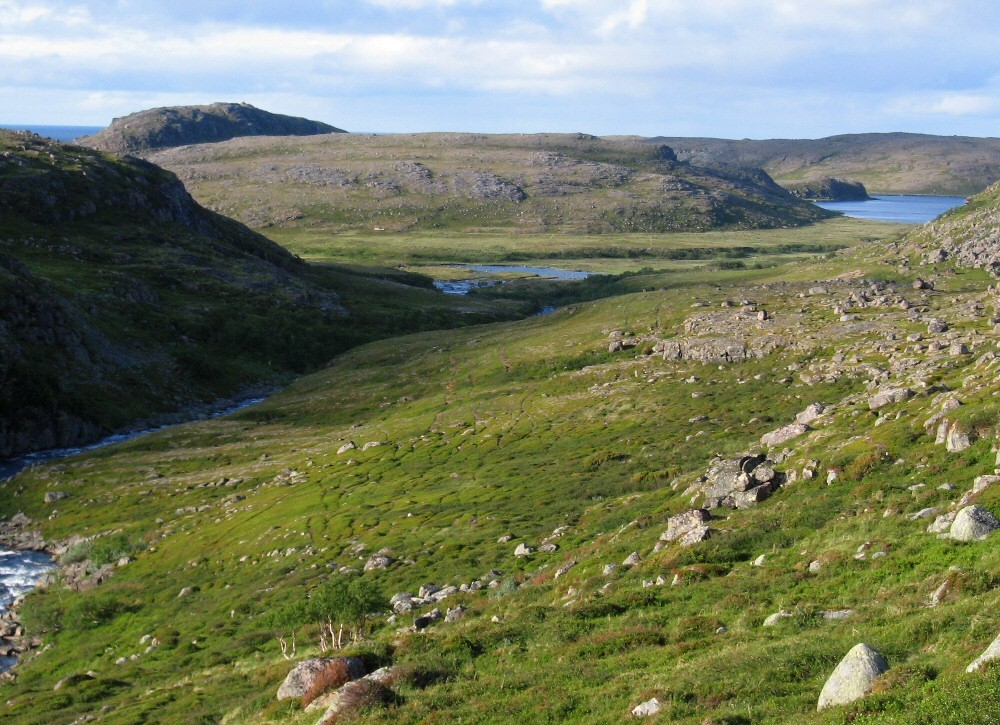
(696, 492)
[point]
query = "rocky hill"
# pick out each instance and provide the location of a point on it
(141, 133)
(470, 182)
(122, 297)
(886, 163)
(770, 500)
(829, 190)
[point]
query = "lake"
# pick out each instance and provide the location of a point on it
(896, 208)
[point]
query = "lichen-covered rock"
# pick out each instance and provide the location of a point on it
(783, 434)
(958, 438)
(683, 523)
(973, 523)
(304, 674)
(811, 413)
(887, 397)
(854, 677)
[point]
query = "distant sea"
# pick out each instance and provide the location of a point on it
(59, 133)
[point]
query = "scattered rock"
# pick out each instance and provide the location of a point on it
(632, 559)
(523, 550)
(973, 523)
(783, 434)
(853, 678)
(349, 446)
(811, 413)
(53, 496)
(989, 654)
(776, 617)
(887, 397)
(650, 707)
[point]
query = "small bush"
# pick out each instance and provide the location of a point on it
(80, 551)
(366, 695)
(333, 675)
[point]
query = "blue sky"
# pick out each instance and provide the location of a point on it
(729, 68)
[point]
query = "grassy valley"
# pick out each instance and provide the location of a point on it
(428, 459)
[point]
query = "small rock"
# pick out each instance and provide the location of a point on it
(650, 707)
(632, 559)
(53, 496)
(349, 446)
(610, 569)
(186, 592)
(759, 561)
(886, 397)
(776, 617)
(523, 550)
(815, 566)
(783, 434)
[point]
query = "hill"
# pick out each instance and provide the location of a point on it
(122, 298)
(139, 134)
(886, 163)
(474, 183)
(698, 494)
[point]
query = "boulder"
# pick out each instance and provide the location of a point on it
(958, 438)
(523, 550)
(632, 559)
(681, 524)
(783, 434)
(349, 446)
(854, 677)
(989, 654)
(53, 496)
(304, 674)
(887, 397)
(773, 619)
(973, 523)
(379, 561)
(650, 707)
(811, 413)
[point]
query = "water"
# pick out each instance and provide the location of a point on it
(59, 133)
(10, 466)
(19, 573)
(463, 286)
(902, 209)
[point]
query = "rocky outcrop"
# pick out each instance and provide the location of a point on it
(739, 482)
(853, 677)
(159, 128)
(719, 350)
(829, 189)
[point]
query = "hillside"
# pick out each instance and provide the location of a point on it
(704, 495)
(886, 163)
(139, 134)
(476, 183)
(120, 298)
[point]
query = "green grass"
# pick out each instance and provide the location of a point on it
(519, 428)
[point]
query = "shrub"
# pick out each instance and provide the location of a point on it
(366, 695)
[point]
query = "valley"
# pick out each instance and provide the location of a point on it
(749, 442)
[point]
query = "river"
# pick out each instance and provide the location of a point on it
(464, 286)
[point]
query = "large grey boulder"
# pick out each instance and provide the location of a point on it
(811, 413)
(973, 523)
(304, 674)
(989, 654)
(854, 677)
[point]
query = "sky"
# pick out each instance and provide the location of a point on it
(721, 68)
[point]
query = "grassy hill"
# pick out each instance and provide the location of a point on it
(886, 163)
(476, 183)
(121, 298)
(582, 432)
